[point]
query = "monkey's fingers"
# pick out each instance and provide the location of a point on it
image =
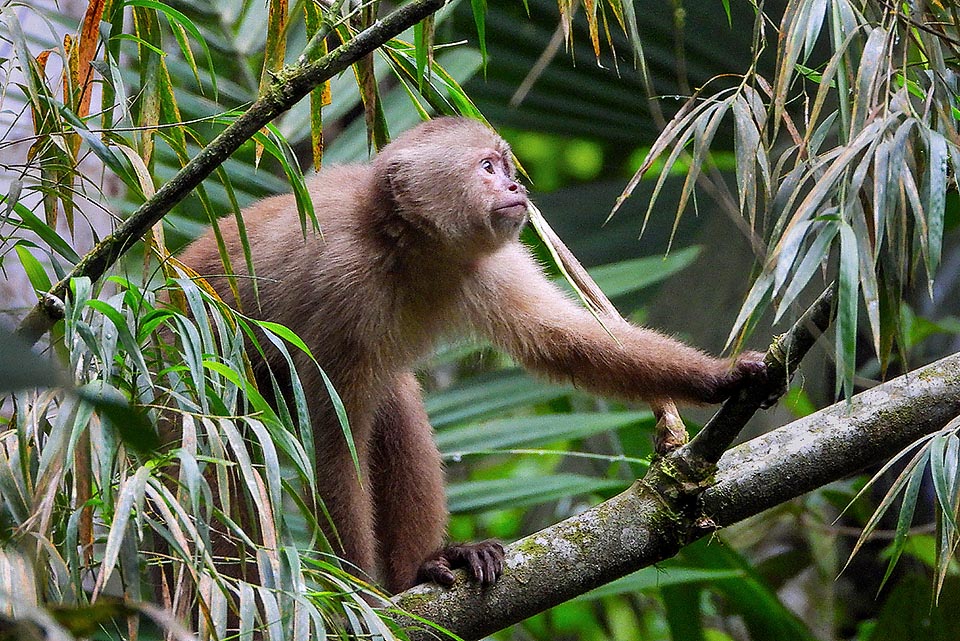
(749, 367)
(751, 364)
(754, 369)
(436, 570)
(483, 561)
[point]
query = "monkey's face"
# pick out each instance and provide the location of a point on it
(508, 199)
(454, 180)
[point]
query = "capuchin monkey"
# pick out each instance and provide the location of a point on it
(417, 246)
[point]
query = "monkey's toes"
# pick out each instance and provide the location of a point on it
(670, 434)
(483, 562)
(436, 570)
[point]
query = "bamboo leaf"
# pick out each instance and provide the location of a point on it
(814, 258)
(478, 496)
(89, 36)
(788, 249)
(321, 96)
(934, 197)
(34, 270)
(919, 457)
(754, 305)
(115, 316)
(675, 135)
(828, 182)
(939, 474)
(274, 51)
(746, 147)
(874, 62)
(847, 299)
(905, 518)
(534, 430)
(705, 128)
(46, 233)
(181, 25)
(130, 495)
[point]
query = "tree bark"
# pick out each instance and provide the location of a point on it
(647, 524)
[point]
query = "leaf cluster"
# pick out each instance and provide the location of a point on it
(843, 160)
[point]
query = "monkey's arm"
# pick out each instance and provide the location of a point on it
(532, 319)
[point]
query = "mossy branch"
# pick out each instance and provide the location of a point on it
(289, 85)
(657, 516)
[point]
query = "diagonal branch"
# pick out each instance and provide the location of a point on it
(783, 358)
(645, 525)
(291, 83)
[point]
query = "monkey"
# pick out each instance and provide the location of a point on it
(419, 244)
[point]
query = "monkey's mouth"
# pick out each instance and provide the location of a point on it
(511, 216)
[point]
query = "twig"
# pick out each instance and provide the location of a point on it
(782, 360)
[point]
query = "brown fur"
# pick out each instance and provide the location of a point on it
(414, 248)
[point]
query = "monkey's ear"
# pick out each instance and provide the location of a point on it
(396, 177)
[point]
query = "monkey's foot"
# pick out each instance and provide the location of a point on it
(483, 561)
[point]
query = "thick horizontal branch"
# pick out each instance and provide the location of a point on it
(641, 526)
(290, 85)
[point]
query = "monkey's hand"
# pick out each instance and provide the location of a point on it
(747, 368)
(483, 561)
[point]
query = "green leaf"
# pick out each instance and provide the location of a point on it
(179, 23)
(847, 306)
(654, 578)
(908, 614)
(934, 196)
(628, 276)
(35, 272)
(130, 495)
(479, 9)
(756, 302)
(130, 422)
(49, 235)
(116, 317)
(477, 496)
(812, 261)
(905, 518)
(487, 395)
(535, 430)
(750, 597)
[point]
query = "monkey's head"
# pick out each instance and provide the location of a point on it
(454, 180)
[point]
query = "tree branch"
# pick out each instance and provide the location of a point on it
(783, 358)
(290, 84)
(652, 521)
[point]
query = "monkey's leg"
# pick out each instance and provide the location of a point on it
(346, 494)
(409, 500)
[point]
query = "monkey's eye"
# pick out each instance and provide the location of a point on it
(487, 166)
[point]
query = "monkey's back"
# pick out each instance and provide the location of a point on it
(330, 286)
